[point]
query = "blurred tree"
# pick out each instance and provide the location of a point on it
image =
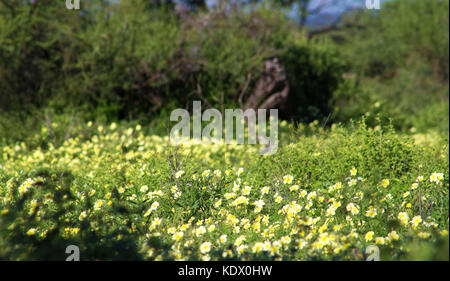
(310, 8)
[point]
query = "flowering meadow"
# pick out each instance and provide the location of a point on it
(121, 193)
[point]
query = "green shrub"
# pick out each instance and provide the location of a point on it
(130, 61)
(315, 73)
(398, 65)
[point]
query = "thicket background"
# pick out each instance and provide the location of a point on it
(138, 60)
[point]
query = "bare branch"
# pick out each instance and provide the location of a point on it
(244, 89)
(199, 92)
(275, 99)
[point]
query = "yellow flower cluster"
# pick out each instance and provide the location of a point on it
(220, 211)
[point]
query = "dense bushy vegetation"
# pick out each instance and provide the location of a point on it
(401, 61)
(85, 98)
(127, 61)
(134, 61)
